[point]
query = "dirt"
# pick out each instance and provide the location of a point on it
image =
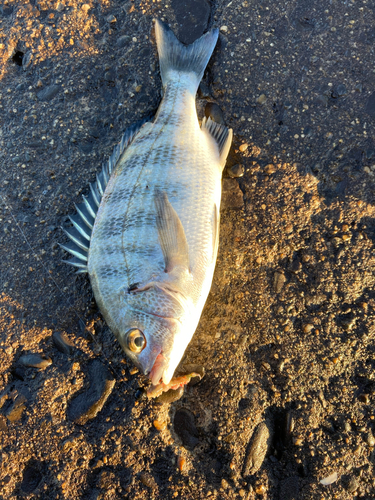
(285, 409)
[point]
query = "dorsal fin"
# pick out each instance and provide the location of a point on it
(221, 134)
(83, 221)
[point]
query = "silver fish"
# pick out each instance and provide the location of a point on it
(148, 232)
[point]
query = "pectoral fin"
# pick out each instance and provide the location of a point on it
(171, 234)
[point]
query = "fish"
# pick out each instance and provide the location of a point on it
(147, 234)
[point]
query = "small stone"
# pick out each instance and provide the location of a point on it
(298, 441)
(214, 111)
(181, 463)
(224, 29)
(257, 449)
(243, 147)
(35, 361)
(370, 440)
(232, 197)
(159, 425)
(63, 343)
(270, 169)
(88, 404)
(260, 489)
(148, 481)
(278, 281)
(261, 99)
(224, 484)
(111, 19)
(48, 93)
(329, 479)
(26, 60)
(14, 413)
(236, 171)
(353, 485)
(307, 328)
(123, 40)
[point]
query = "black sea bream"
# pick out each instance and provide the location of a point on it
(148, 232)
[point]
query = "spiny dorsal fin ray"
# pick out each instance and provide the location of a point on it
(74, 250)
(171, 233)
(82, 267)
(83, 221)
(87, 218)
(221, 134)
(76, 238)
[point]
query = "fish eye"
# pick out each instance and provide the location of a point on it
(135, 340)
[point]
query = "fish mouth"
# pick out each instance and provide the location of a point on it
(158, 370)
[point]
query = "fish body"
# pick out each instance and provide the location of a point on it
(154, 218)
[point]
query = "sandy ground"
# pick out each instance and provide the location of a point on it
(286, 407)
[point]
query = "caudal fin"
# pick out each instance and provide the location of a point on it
(174, 56)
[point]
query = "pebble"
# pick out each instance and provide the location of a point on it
(270, 169)
(185, 428)
(278, 281)
(26, 60)
(213, 111)
(236, 171)
(48, 93)
(88, 404)
(261, 99)
(232, 196)
(148, 481)
(123, 40)
(340, 90)
(257, 449)
(370, 440)
(159, 425)
(353, 485)
(14, 413)
(35, 361)
(329, 479)
(181, 463)
(243, 147)
(224, 29)
(307, 328)
(62, 342)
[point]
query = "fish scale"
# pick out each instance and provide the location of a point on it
(153, 243)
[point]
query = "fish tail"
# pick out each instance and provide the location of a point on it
(177, 57)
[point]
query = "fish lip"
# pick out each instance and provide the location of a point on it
(157, 371)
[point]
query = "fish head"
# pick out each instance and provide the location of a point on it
(154, 344)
